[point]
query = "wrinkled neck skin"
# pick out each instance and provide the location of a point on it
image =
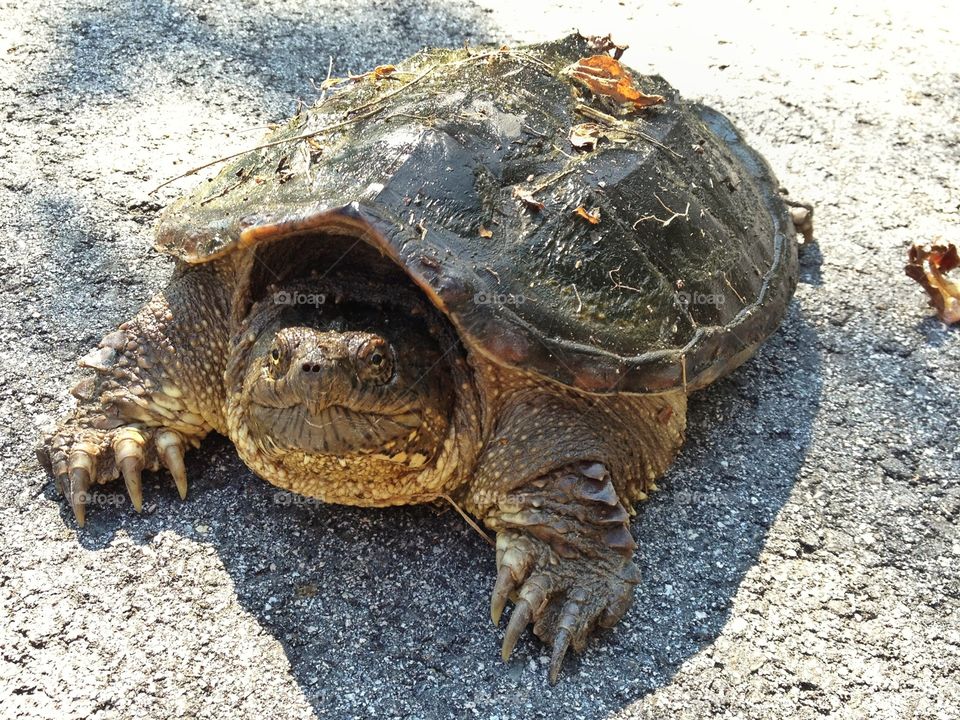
(356, 394)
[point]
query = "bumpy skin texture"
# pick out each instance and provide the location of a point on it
(556, 480)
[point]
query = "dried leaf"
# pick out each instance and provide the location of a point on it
(591, 216)
(605, 76)
(484, 233)
(927, 265)
(380, 71)
(585, 136)
(527, 198)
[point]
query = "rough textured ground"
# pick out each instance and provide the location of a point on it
(802, 559)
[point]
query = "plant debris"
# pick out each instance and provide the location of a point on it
(605, 43)
(528, 199)
(605, 77)
(484, 232)
(585, 136)
(927, 265)
(591, 216)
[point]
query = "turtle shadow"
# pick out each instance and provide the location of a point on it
(704, 532)
(935, 331)
(365, 600)
(811, 264)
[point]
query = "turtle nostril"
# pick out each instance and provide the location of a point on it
(310, 367)
(315, 368)
(305, 367)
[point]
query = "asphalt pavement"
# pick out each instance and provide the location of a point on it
(802, 559)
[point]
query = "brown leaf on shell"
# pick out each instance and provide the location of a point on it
(585, 136)
(591, 216)
(605, 76)
(484, 233)
(528, 199)
(927, 264)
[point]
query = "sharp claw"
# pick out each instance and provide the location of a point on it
(560, 645)
(83, 469)
(170, 446)
(61, 471)
(63, 484)
(132, 479)
(501, 592)
(519, 620)
(79, 482)
(128, 454)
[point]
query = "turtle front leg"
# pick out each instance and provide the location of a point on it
(157, 389)
(564, 555)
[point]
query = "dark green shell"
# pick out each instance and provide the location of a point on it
(430, 165)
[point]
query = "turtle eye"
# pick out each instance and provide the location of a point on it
(276, 356)
(375, 361)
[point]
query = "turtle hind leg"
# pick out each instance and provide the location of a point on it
(801, 215)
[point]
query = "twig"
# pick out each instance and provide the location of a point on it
(553, 178)
(685, 214)
(349, 120)
(532, 131)
(469, 519)
(295, 138)
(617, 284)
(620, 126)
(390, 94)
(323, 85)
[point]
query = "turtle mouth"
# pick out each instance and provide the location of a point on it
(326, 424)
(334, 430)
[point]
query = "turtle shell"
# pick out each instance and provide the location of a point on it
(657, 255)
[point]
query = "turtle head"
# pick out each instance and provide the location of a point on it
(340, 391)
(337, 390)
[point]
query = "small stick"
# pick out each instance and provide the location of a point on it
(619, 125)
(323, 85)
(336, 126)
(469, 519)
(390, 94)
(295, 138)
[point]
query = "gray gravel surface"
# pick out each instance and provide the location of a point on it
(802, 558)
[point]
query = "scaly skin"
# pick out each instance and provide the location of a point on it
(552, 470)
(157, 389)
(556, 480)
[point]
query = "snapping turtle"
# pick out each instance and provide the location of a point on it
(487, 275)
